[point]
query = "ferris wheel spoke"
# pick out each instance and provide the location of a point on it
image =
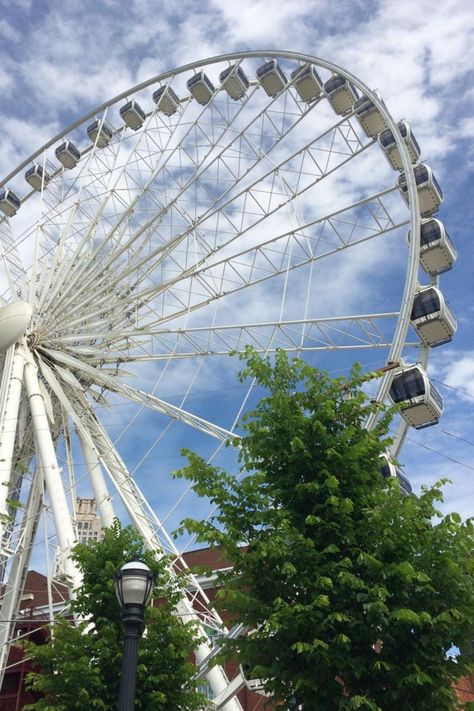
(100, 378)
(294, 249)
(332, 333)
(195, 288)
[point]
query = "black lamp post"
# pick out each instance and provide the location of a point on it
(133, 587)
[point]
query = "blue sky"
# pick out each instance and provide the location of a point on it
(59, 60)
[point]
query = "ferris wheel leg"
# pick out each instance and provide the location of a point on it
(215, 676)
(13, 589)
(52, 473)
(9, 404)
(101, 494)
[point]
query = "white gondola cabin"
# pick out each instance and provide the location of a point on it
(201, 88)
(387, 143)
(68, 155)
(166, 100)
(234, 81)
(37, 177)
(422, 405)
(430, 195)
(9, 202)
(369, 117)
(437, 252)
(307, 83)
(99, 133)
(341, 94)
(389, 469)
(271, 77)
(431, 317)
(254, 685)
(133, 115)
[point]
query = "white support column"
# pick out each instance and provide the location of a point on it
(99, 486)
(13, 589)
(10, 404)
(51, 472)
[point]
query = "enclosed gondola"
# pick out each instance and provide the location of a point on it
(421, 403)
(271, 77)
(37, 177)
(437, 252)
(257, 686)
(9, 202)
(234, 81)
(430, 195)
(166, 100)
(341, 94)
(369, 117)
(132, 115)
(68, 155)
(389, 469)
(201, 88)
(388, 144)
(431, 317)
(307, 83)
(100, 133)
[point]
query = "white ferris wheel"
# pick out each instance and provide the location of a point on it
(258, 198)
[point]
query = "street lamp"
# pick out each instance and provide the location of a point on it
(133, 587)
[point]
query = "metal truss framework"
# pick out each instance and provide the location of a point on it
(251, 204)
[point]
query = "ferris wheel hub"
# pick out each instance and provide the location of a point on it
(14, 320)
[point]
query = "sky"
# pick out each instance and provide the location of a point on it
(60, 59)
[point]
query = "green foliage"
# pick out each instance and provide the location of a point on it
(80, 667)
(353, 591)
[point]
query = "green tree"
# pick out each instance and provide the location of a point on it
(79, 668)
(354, 592)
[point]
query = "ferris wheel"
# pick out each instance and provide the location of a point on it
(258, 198)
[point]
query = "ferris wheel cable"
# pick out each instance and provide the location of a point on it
(181, 405)
(157, 383)
(32, 296)
(86, 240)
(237, 417)
(235, 422)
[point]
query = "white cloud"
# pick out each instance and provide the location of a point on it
(459, 374)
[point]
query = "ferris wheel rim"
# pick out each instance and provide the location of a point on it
(415, 218)
(399, 339)
(400, 335)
